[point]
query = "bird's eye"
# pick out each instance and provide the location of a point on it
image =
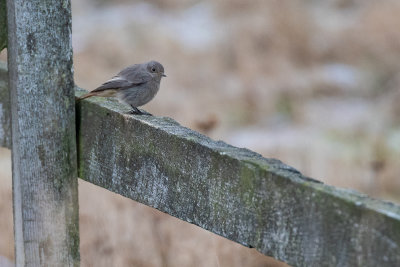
(153, 69)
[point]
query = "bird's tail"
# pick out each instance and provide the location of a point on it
(86, 96)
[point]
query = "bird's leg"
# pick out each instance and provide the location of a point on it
(137, 111)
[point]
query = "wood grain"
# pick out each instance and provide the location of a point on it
(43, 133)
(233, 192)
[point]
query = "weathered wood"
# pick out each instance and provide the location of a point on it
(43, 133)
(233, 192)
(3, 25)
(5, 116)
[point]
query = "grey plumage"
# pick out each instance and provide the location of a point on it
(135, 85)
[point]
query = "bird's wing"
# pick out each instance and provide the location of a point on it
(114, 83)
(136, 74)
(127, 78)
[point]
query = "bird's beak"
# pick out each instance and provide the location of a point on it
(163, 75)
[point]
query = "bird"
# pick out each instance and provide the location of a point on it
(135, 85)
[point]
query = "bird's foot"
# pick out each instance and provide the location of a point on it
(136, 111)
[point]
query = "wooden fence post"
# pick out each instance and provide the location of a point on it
(45, 194)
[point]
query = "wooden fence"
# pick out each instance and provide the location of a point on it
(233, 192)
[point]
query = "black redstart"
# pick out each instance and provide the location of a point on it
(135, 85)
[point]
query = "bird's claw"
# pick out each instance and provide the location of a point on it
(136, 111)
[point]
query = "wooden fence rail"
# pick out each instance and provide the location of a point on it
(236, 193)
(258, 202)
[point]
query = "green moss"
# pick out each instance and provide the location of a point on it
(5, 123)
(73, 237)
(79, 142)
(247, 185)
(258, 164)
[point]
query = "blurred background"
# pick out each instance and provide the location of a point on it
(315, 84)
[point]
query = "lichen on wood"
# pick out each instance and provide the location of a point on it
(236, 193)
(5, 118)
(45, 195)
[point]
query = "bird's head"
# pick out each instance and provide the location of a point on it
(156, 69)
